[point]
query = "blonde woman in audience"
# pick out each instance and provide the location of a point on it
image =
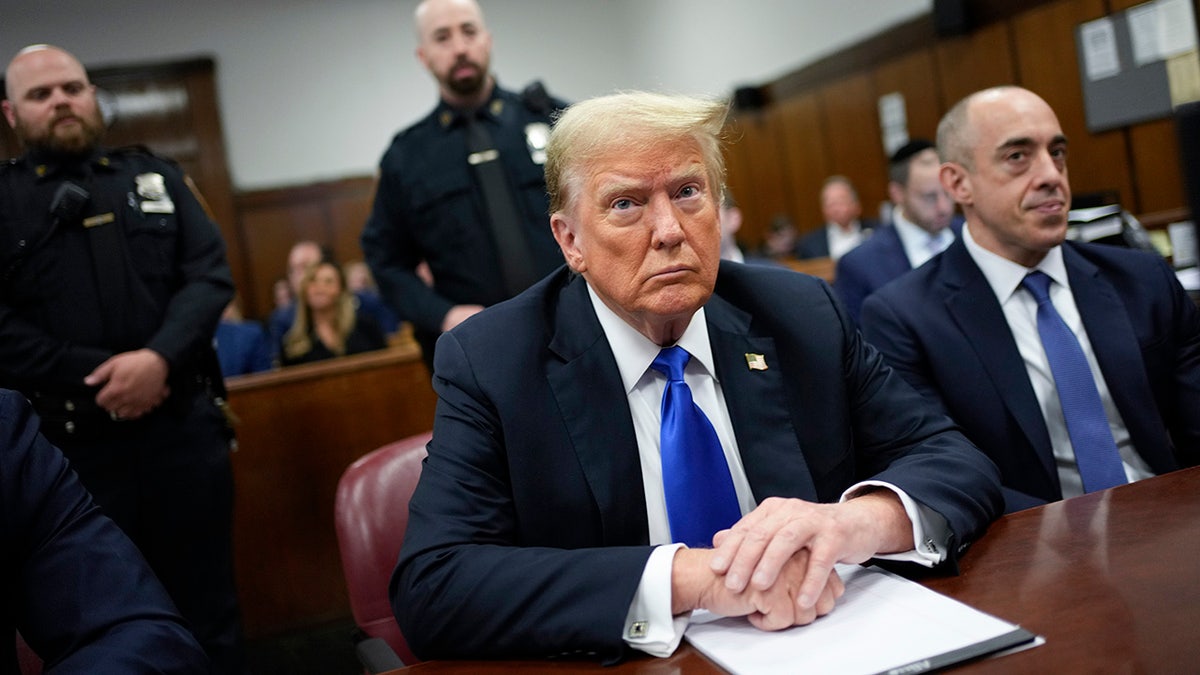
(327, 323)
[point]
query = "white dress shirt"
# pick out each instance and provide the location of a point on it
(650, 626)
(919, 245)
(1020, 310)
(842, 241)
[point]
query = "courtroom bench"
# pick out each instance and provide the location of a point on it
(298, 428)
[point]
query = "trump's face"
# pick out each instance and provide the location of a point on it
(642, 227)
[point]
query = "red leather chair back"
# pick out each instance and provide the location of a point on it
(371, 515)
(28, 663)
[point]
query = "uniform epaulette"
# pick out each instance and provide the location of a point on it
(139, 149)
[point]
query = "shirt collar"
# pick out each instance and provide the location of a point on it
(1004, 275)
(634, 352)
(449, 116)
(914, 235)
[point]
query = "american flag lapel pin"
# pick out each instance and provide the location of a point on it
(756, 362)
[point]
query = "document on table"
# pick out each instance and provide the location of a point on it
(883, 624)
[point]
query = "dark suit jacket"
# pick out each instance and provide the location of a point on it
(943, 329)
(876, 261)
(815, 244)
(528, 533)
(70, 581)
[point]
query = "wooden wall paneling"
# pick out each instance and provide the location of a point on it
(850, 117)
(1155, 165)
(269, 230)
(914, 75)
(211, 172)
(348, 209)
(1047, 64)
(806, 152)
(975, 61)
(763, 186)
(740, 182)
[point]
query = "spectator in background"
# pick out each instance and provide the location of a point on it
(327, 322)
(923, 225)
(304, 255)
(779, 243)
(242, 346)
(731, 222)
(843, 228)
(281, 294)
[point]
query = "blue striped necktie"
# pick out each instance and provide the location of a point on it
(699, 490)
(1095, 450)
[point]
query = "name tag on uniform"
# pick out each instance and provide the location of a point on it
(482, 156)
(164, 205)
(101, 219)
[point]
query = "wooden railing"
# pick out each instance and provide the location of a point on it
(298, 429)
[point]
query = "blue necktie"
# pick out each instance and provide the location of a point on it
(700, 497)
(1095, 451)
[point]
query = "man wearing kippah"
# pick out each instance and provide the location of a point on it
(923, 225)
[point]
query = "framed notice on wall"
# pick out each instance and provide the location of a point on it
(1137, 65)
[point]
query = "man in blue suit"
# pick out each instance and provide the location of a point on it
(79, 591)
(543, 523)
(966, 329)
(922, 226)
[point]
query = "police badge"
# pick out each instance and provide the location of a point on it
(536, 135)
(153, 189)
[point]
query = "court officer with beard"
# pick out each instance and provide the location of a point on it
(114, 278)
(462, 189)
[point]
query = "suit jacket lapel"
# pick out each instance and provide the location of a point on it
(895, 263)
(1116, 347)
(971, 302)
(756, 400)
(595, 411)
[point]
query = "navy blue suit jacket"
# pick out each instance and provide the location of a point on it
(871, 265)
(528, 534)
(944, 330)
(70, 580)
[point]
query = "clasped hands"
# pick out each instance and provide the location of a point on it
(131, 383)
(775, 565)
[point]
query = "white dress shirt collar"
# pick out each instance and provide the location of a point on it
(635, 352)
(1004, 275)
(919, 245)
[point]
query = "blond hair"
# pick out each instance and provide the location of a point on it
(632, 122)
(298, 340)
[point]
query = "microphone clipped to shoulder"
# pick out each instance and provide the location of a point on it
(68, 203)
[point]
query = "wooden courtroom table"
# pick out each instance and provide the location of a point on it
(299, 428)
(1110, 579)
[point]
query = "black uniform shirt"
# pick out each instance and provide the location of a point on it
(139, 264)
(429, 207)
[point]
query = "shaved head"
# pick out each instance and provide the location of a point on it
(51, 103)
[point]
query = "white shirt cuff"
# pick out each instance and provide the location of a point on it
(649, 626)
(929, 527)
